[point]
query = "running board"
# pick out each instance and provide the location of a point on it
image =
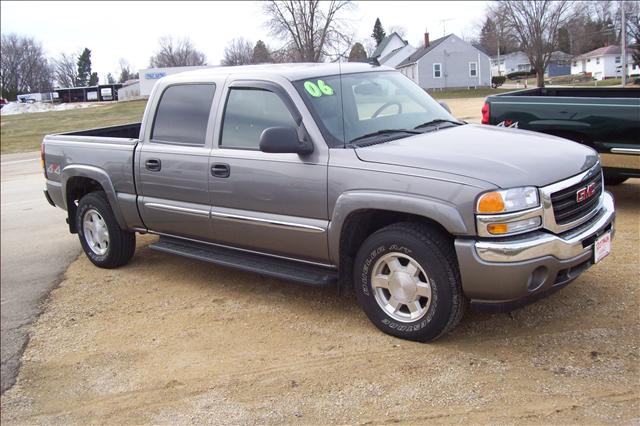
(289, 270)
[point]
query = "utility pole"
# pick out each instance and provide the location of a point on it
(623, 36)
(499, 54)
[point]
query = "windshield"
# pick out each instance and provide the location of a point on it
(374, 103)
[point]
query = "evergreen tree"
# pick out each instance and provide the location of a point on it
(93, 79)
(378, 32)
(110, 79)
(84, 68)
(261, 54)
(357, 53)
(564, 40)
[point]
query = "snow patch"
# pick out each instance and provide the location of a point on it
(22, 108)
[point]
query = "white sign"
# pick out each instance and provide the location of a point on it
(602, 247)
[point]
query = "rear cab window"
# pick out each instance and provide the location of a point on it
(182, 114)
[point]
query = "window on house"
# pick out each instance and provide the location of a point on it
(588, 60)
(473, 69)
(437, 70)
(617, 59)
(575, 64)
(597, 61)
(524, 67)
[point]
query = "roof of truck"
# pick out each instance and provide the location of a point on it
(293, 72)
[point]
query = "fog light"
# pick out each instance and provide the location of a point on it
(514, 227)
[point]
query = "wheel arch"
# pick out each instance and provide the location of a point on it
(79, 180)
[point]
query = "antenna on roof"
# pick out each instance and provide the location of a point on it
(443, 22)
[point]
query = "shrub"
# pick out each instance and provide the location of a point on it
(520, 74)
(497, 81)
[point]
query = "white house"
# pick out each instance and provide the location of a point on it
(447, 62)
(392, 50)
(605, 62)
(519, 61)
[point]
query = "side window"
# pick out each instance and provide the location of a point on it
(247, 113)
(437, 70)
(182, 114)
(473, 69)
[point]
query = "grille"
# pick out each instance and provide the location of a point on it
(566, 207)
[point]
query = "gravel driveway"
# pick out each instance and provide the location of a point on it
(171, 341)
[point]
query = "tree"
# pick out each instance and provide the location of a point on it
(261, 54)
(23, 66)
(93, 79)
(311, 29)
(65, 70)
(110, 79)
(125, 71)
(536, 24)
(237, 52)
(398, 29)
(357, 54)
(176, 53)
(564, 40)
(84, 68)
(378, 33)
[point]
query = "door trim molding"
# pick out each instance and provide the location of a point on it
(269, 222)
(166, 207)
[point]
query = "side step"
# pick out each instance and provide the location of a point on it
(312, 275)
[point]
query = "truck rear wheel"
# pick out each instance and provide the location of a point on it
(104, 243)
(407, 282)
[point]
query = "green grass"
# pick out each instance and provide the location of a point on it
(24, 132)
(466, 93)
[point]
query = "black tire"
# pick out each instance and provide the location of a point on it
(434, 252)
(122, 244)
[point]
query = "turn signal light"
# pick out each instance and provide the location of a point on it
(497, 228)
(491, 202)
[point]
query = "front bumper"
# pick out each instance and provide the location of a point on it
(512, 271)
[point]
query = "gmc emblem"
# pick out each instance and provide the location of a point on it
(586, 192)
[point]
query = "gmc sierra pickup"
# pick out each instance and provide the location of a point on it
(606, 119)
(338, 173)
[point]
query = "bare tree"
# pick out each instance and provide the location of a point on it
(65, 70)
(177, 53)
(238, 51)
(536, 24)
(398, 29)
(23, 66)
(311, 29)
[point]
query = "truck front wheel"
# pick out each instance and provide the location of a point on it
(407, 282)
(104, 243)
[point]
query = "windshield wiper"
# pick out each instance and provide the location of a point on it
(384, 132)
(437, 121)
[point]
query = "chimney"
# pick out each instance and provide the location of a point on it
(426, 39)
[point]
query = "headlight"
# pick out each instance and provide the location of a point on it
(508, 212)
(508, 200)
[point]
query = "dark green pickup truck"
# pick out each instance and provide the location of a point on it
(606, 119)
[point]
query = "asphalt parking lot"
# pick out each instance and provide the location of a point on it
(168, 340)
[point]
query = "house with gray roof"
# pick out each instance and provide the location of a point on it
(392, 50)
(605, 62)
(447, 62)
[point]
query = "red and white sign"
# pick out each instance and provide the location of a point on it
(586, 192)
(602, 247)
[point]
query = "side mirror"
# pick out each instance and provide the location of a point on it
(445, 106)
(283, 140)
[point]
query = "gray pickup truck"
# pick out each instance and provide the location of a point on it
(345, 174)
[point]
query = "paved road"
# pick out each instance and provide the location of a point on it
(36, 249)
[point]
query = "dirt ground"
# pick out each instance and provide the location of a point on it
(467, 109)
(167, 340)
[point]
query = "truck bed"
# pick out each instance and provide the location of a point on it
(125, 131)
(577, 92)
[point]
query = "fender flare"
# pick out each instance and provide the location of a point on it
(440, 211)
(100, 176)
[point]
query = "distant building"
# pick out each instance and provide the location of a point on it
(559, 64)
(605, 62)
(392, 50)
(100, 93)
(149, 76)
(447, 62)
(130, 90)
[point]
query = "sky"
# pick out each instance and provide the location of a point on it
(130, 30)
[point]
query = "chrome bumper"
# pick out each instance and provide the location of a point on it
(565, 246)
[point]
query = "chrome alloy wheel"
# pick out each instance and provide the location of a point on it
(95, 232)
(401, 287)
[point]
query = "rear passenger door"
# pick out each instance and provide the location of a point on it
(174, 162)
(269, 202)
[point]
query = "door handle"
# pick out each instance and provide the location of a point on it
(221, 170)
(153, 165)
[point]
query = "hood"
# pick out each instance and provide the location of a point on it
(504, 157)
